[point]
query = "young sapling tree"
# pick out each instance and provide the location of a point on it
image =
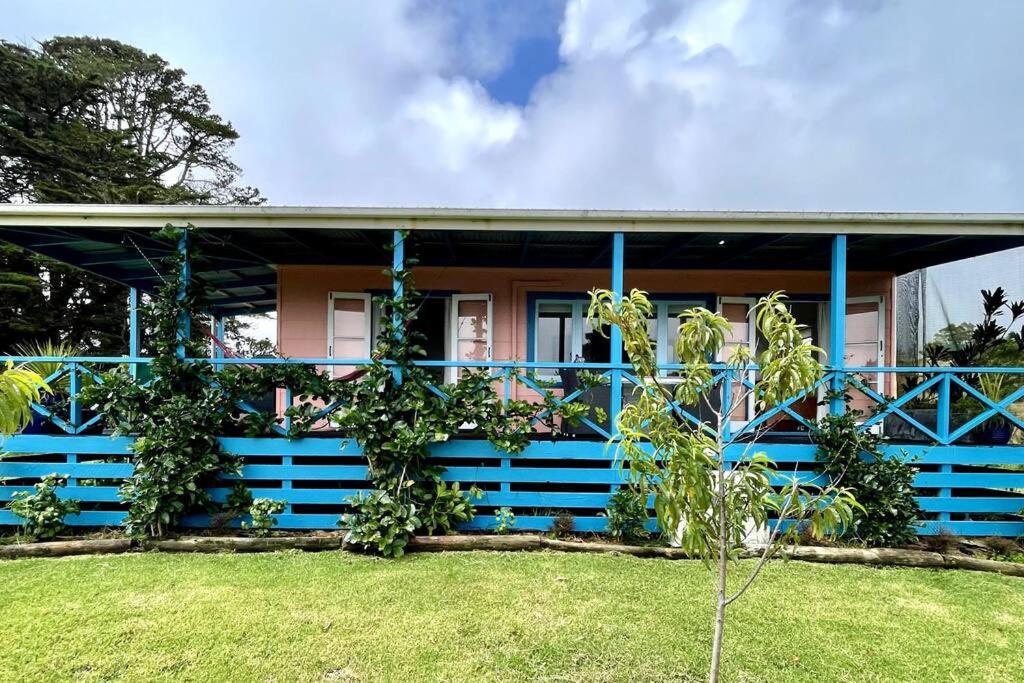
(713, 492)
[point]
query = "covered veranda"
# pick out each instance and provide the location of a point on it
(242, 253)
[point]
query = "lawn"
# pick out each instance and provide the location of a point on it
(494, 616)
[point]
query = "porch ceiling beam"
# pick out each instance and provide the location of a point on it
(449, 245)
(525, 251)
(743, 249)
(676, 246)
(922, 244)
(247, 299)
(243, 281)
(370, 242)
(602, 255)
(822, 249)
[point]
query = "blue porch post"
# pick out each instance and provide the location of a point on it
(397, 288)
(134, 334)
(837, 323)
(218, 334)
(618, 271)
(184, 323)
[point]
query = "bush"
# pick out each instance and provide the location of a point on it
(42, 510)
(883, 486)
(505, 518)
(627, 515)
(380, 522)
(262, 513)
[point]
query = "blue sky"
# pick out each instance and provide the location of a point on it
(743, 104)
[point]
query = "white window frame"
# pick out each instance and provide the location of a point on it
(367, 315)
(880, 350)
(750, 302)
(662, 320)
(577, 321)
(452, 374)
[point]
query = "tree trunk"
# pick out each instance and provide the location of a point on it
(723, 575)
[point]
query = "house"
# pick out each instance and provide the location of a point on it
(507, 290)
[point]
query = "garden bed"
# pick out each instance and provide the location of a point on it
(897, 557)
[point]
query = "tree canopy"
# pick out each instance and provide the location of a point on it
(93, 120)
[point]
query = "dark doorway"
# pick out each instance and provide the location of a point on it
(432, 322)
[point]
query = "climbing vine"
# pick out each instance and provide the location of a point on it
(179, 413)
(395, 415)
(394, 411)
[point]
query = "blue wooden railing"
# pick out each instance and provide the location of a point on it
(966, 486)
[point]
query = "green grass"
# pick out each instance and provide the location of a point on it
(494, 616)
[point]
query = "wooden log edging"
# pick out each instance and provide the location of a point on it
(880, 557)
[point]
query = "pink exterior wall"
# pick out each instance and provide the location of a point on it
(303, 292)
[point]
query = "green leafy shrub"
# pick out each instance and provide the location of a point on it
(627, 515)
(883, 486)
(505, 520)
(395, 413)
(262, 511)
(178, 415)
(42, 509)
(381, 522)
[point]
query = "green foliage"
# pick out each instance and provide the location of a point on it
(395, 416)
(505, 520)
(262, 512)
(42, 509)
(884, 487)
(708, 508)
(19, 388)
(382, 522)
(95, 120)
(46, 368)
(627, 515)
(179, 414)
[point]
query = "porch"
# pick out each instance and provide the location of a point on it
(510, 286)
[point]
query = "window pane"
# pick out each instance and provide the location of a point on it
(349, 317)
(597, 348)
(554, 333)
(472, 349)
(673, 331)
(347, 347)
(862, 323)
(472, 323)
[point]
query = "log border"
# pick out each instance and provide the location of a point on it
(880, 557)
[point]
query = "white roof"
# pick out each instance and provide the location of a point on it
(576, 220)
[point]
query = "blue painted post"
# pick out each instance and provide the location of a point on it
(942, 429)
(75, 416)
(134, 332)
(218, 334)
(397, 288)
(618, 285)
(837, 323)
(184, 324)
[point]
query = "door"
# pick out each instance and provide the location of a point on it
(348, 329)
(470, 330)
(865, 346)
(739, 312)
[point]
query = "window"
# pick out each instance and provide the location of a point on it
(452, 327)
(563, 334)
(348, 328)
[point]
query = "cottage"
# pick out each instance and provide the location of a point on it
(507, 290)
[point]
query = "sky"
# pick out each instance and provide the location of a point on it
(730, 104)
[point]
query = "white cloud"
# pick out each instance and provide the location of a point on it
(788, 104)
